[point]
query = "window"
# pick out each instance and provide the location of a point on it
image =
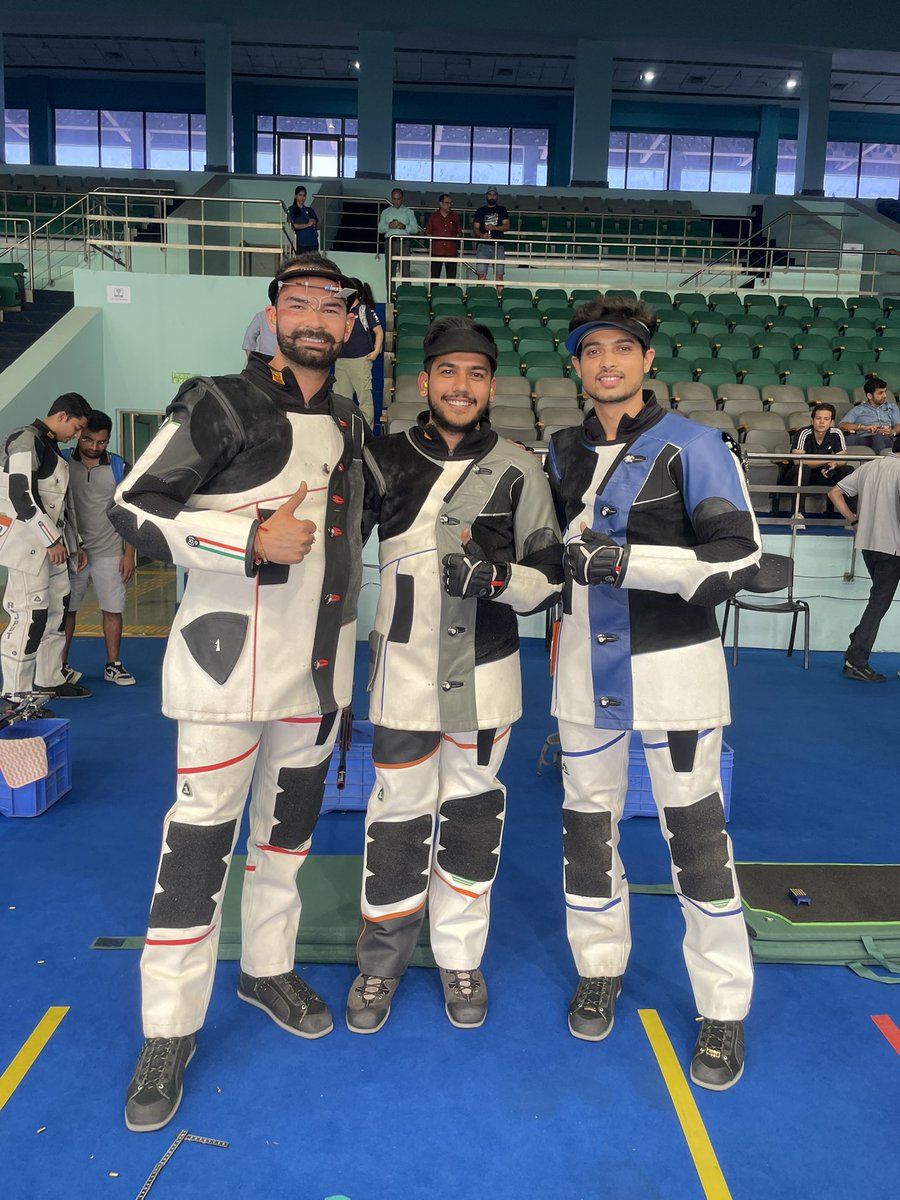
(481, 154)
(324, 147)
(732, 164)
(879, 169)
(786, 170)
(689, 163)
(680, 162)
(88, 137)
(18, 149)
(866, 169)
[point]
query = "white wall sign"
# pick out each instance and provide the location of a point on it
(118, 294)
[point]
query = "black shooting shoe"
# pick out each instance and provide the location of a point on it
(718, 1060)
(289, 1001)
(592, 1009)
(154, 1092)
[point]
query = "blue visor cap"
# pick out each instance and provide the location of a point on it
(637, 329)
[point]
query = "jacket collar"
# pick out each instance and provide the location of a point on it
(282, 386)
(430, 439)
(629, 427)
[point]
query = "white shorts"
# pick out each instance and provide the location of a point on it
(104, 574)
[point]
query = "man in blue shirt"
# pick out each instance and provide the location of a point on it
(876, 422)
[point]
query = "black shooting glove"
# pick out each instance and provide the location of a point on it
(471, 574)
(593, 558)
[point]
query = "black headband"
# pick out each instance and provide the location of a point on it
(461, 339)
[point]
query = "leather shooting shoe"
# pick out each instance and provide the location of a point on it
(289, 1001)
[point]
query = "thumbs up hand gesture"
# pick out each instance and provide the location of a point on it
(471, 574)
(282, 538)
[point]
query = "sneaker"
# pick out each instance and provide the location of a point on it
(465, 998)
(369, 1003)
(718, 1060)
(116, 673)
(289, 1001)
(154, 1092)
(64, 691)
(70, 675)
(592, 1009)
(865, 673)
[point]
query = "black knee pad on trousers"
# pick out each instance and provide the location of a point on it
(297, 804)
(191, 874)
(36, 630)
(587, 847)
(402, 747)
(397, 855)
(699, 849)
(469, 835)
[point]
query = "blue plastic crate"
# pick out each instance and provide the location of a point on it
(639, 799)
(35, 798)
(360, 779)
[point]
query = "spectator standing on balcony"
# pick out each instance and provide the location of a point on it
(875, 422)
(304, 223)
(876, 485)
(490, 225)
(444, 229)
(353, 370)
(395, 221)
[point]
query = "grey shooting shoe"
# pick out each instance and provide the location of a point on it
(465, 998)
(369, 1002)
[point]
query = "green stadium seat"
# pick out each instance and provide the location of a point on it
(702, 365)
(526, 324)
(891, 376)
(847, 380)
(759, 379)
(829, 304)
(585, 296)
(804, 379)
(623, 293)
(759, 300)
(814, 341)
(672, 377)
(513, 295)
(750, 325)
(772, 354)
(785, 302)
(860, 326)
(657, 300)
(664, 363)
(851, 342)
(731, 354)
(544, 371)
(719, 378)
(693, 345)
(555, 312)
(529, 346)
(662, 341)
(889, 356)
(726, 302)
(508, 364)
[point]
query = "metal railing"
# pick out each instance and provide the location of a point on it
(18, 241)
(563, 260)
(187, 231)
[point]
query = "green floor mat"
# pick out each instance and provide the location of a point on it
(329, 889)
(853, 918)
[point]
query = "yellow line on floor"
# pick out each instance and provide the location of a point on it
(27, 1056)
(711, 1178)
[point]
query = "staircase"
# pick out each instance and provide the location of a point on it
(19, 330)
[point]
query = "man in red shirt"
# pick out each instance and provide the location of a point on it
(444, 227)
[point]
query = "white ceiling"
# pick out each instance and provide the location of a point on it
(859, 80)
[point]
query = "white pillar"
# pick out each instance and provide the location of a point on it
(2, 102)
(218, 98)
(591, 114)
(375, 105)
(812, 131)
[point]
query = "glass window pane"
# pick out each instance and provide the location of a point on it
(689, 163)
(308, 124)
(77, 137)
(530, 148)
(350, 157)
(17, 147)
(265, 154)
(618, 144)
(121, 139)
(168, 145)
(879, 169)
(452, 161)
(732, 164)
(648, 160)
(412, 151)
(325, 158)
(841, 168)
(490, 154)
(198, 141)
(350, 127)
(786, 171)
(265, 124)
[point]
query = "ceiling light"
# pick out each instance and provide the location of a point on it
(791, 83)
(647, 76)
(353, 64)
